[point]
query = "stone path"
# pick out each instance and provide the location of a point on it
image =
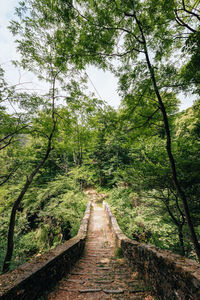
(99, 274)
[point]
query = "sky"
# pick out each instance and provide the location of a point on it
(7, 50)
(103, 84)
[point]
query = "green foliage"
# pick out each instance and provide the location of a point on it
(50, 214)
(143, 219)
(94, 145)
(145, 202)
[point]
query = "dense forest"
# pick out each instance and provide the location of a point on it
(145, 155)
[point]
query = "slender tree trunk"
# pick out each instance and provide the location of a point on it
(173, 165)
(80, 156)
(10, 242)
(181, 240)
(168, 145)
(179, 226)
(75, 158)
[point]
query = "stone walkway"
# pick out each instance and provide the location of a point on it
(99, 274)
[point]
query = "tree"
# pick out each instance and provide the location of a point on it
(28, 182)
(39, 41)
(14, 124)
(57, 40)
(146, 40)
(187, 15)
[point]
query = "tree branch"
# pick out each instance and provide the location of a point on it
(190, 11)
(182, 23)
(8, 176)
(146, 122)
(12, 133)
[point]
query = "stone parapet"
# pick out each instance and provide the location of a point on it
(30, 280)
(170, 275)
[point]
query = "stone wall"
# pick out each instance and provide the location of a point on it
(170, 275)
(32, 279)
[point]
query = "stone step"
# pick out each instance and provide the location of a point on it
(113, 291)
(136, 291)
(92, 273)
(100, 278)
(92, 243)
(100, 250)
(89, 256)
(96, 274)
(104, 268)
(87, 262)
(90, 290)
(121, 274)
(103, 281)
(76, 281)
(78, 267)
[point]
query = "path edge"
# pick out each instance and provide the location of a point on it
(170, 275)
(32, 279)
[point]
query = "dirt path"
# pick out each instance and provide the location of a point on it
(99, 274)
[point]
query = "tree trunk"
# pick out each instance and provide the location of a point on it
(168, 144)
(173, 168)
(181, 240)
(10, 242)
(172, 162)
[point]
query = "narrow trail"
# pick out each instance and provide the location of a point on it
(99, 274)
